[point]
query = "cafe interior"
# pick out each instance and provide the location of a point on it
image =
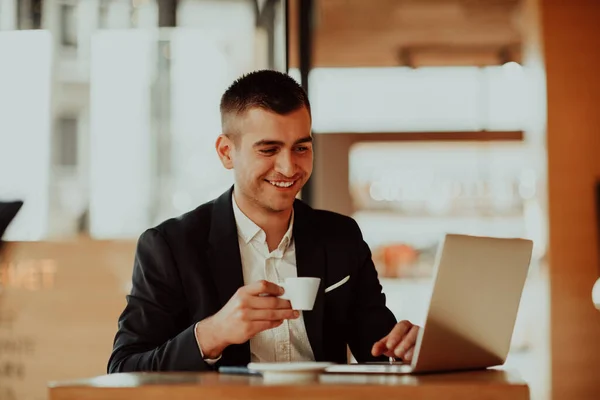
(476, 117)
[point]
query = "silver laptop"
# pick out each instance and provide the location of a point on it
(473, 307)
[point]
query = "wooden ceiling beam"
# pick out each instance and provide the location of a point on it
(354, 33)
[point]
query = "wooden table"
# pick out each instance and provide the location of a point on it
(489, 385)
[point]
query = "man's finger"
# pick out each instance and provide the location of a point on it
(397, 334)
(269, 302)
(407, 342)
(263, 287)
(379, 348)
(409, 354)
(379, 344)
(271, 315)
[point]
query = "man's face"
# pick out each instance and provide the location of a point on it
(272, 156)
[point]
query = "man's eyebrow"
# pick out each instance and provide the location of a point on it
(267, 142)
(307, 139)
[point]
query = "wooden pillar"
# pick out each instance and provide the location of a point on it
(571, 37)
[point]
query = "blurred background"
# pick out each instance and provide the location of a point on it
(429, 116)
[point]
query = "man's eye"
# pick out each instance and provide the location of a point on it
(268, 151)
(301, 149)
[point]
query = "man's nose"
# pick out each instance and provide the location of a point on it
(285, 164)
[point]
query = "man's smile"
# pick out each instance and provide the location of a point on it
(282, 184)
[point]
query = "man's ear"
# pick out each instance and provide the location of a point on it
(224, 148)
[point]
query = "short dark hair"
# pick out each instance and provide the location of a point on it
(266, 89)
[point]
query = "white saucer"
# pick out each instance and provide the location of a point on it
(290, 372)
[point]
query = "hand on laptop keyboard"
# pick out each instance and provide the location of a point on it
(400, 342)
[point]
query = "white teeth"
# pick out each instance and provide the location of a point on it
(281, 184)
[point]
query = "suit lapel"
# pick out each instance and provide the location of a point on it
(226, 266)
(310, 261)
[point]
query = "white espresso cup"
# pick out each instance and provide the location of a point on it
(301, 292)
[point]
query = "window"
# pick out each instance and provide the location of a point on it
(403, 99)
(103, 14)
(29, 14)
(68, 25)
(66, 142)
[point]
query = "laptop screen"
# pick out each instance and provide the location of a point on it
(8, 211)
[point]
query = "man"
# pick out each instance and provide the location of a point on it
(205, 288)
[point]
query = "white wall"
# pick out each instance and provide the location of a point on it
(8, 15)
(121, 145)
(25, 118)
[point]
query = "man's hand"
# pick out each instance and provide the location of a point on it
(252, 309)
(400, 342)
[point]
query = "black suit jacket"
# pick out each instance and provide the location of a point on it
(187, 268)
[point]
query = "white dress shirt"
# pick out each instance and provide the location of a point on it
(289, 341)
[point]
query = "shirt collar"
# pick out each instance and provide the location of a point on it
(248, 230)
(287, 238)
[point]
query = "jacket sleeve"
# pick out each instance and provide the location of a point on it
(154, 331)
(371, 319)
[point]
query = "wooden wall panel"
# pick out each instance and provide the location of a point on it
(571, 34)
(59, 305)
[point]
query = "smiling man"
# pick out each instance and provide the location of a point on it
(205, 284)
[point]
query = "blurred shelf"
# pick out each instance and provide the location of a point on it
(449, 136)
(386, 214)
(381, 228)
